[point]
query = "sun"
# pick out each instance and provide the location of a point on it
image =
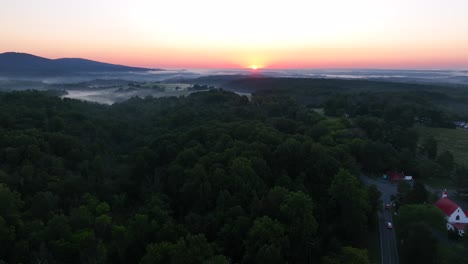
(254, 67)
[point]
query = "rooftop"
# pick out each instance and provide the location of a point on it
(447, 206)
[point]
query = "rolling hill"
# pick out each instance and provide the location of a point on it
(23, 63)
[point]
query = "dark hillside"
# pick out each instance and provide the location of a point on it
(22, 63)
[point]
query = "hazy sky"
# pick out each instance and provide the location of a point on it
(242, 33)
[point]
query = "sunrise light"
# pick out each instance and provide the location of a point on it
(200, 34)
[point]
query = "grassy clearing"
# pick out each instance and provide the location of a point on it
(453, 140)
(319, 111)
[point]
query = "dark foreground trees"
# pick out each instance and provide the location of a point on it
(210, 178)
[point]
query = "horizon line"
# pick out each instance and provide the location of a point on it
(150, 68)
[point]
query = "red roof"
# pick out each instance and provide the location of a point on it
(395, 176)
(459, 226)
(447, 206)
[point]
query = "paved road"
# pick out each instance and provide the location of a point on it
(387, 236)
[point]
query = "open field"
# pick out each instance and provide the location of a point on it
(319, 111)
(453, 140)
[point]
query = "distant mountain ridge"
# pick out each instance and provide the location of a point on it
(24, 63)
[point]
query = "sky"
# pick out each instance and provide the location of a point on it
(406, 34)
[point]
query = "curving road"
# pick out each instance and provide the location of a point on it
(387, 236)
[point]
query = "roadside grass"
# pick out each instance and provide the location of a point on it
(453, 140)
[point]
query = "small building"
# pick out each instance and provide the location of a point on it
(395, 176)
(457, 219)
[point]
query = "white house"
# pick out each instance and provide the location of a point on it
(456, 218)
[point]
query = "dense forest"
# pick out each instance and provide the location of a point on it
(209, 178)
(314, 92)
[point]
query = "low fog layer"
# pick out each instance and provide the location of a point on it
(119, 94)
(111, 87)
(421, 76)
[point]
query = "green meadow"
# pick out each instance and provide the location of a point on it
(453, 140)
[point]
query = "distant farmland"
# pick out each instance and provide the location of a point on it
(453, 140)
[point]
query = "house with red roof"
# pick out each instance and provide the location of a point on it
(457, 219)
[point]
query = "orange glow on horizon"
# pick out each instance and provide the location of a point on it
(426, 34)
(299, 58)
